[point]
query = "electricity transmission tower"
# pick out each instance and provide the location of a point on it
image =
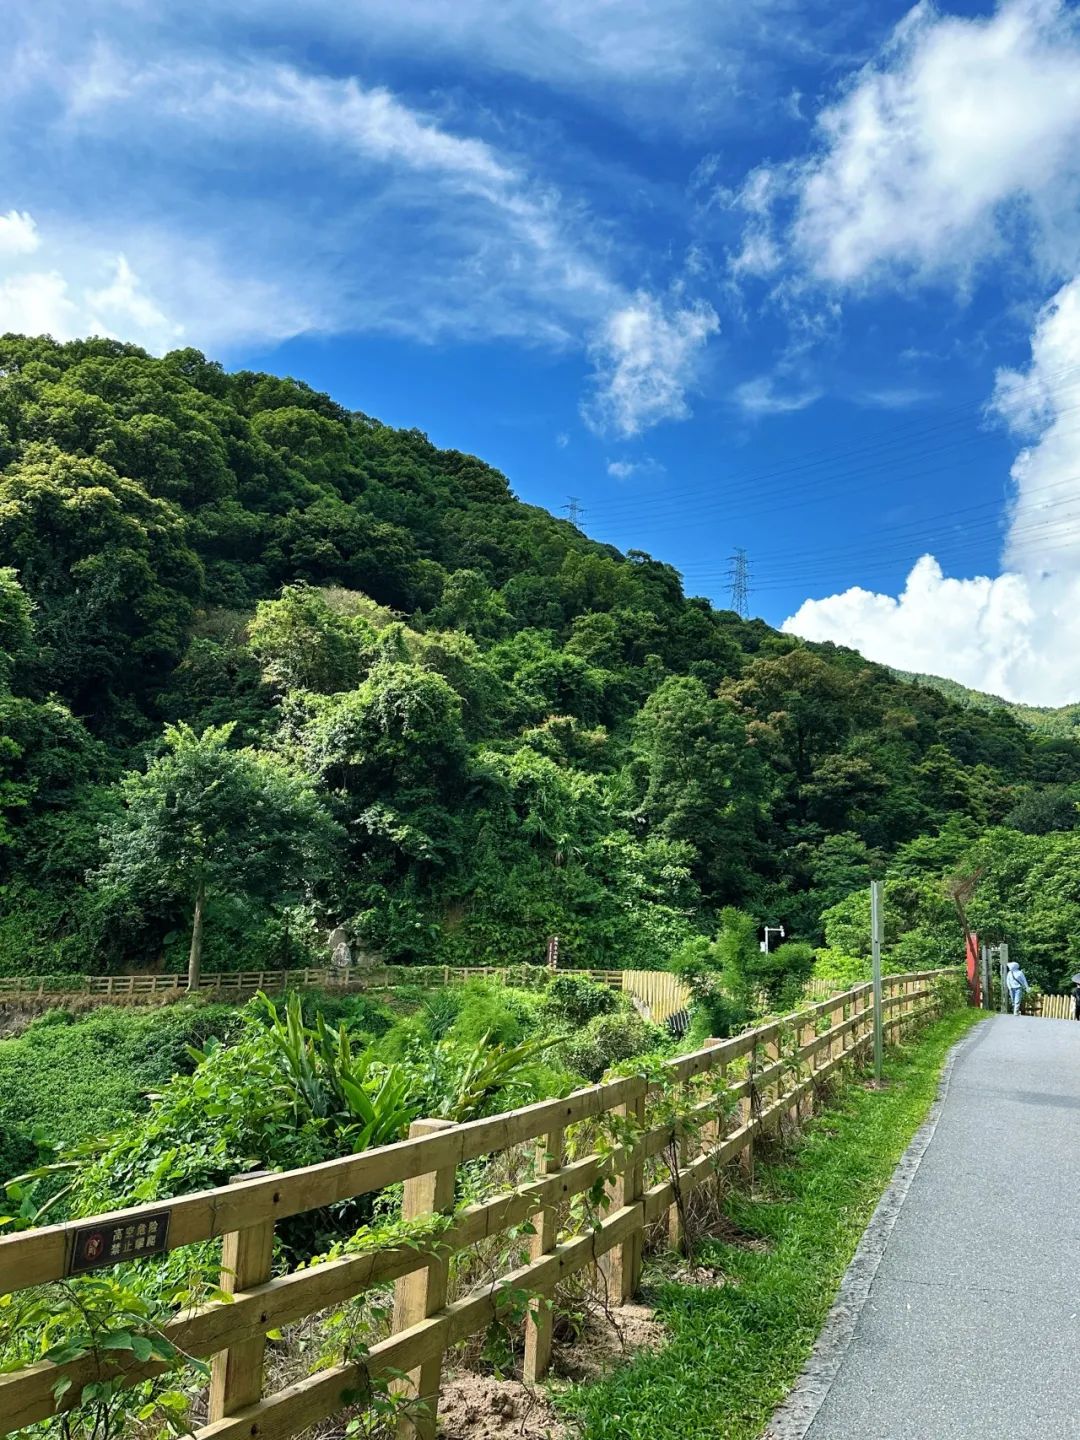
(575, 511)
(738, 586)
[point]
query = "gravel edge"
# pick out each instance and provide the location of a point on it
(793, 1419)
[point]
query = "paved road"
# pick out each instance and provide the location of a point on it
(972, 1326)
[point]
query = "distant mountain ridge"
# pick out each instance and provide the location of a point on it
(1050, 720)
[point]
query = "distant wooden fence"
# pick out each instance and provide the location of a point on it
(662, 993)
(1050, 1007)
(733, 1090)
(233, 982)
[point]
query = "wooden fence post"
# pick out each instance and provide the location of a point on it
(807, 1036)
(551, 1156)
(621, 1266)
(237, 1373)
(676, 1235)
(774, 1089)
(422, 1293)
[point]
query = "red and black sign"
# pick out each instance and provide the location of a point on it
(95, 1245)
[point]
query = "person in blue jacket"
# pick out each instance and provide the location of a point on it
(1017, 984)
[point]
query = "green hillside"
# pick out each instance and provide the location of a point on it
(1050, 720)
(442, 718)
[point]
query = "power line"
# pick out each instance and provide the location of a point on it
(739, 583)
(889, 449)
(575, 511)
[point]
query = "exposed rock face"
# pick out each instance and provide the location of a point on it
(340, 949)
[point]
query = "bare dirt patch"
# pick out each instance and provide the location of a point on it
(607, 1342)
(474, 1406)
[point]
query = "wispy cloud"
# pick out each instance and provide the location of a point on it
(894, 397)
(399, 217)
(764, 395)
(682, 63)
(627, 469)
(647, 357)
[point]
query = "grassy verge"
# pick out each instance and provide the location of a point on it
(736, 1347)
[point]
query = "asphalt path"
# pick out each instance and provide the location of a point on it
(971, 1325)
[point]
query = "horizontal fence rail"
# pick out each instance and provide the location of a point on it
(730, 1092)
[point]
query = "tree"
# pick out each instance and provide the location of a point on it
(1040, 812)
(703, 782)
(15, 623)
(204, 818)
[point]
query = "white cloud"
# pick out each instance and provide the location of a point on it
(957, 145)
(1018, 634)
(72, 284)
(369, 121)
(48, 302)
(18, 234)
(647, 356)
(397, 220)
(125, 304)
(36, 302)
(963, 134)
(676, 63)
(627, 469)
(301, 197)
(1015, 635)
(1041, 404)
(762, 396)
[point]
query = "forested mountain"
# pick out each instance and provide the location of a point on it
(350, 678)
(1050, 719)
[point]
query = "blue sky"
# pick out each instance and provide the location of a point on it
(750, 274)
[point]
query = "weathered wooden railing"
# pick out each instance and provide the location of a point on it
(754, 1078)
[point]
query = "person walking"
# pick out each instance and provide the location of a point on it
(1076, 997)
(1017, 984)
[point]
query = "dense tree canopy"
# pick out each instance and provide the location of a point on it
(518, 732)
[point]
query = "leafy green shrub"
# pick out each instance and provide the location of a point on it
(75, 1078)
(715, 1014)
(441, 1010)
(457, 1081)
(783, 973)
(833, 964)
(491, 1012)
(609, 1039)
(18, 1151)
(527, 977)
(54, 1017)
(361, 1014)
(402, 1039)
(577, 999)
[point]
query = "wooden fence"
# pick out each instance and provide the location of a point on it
(729, 1093)
(242, 982)
(1050, 1007)
(660, 992)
